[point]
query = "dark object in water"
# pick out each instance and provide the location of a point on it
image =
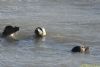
(9, 30)
(40, 32)
(80, 49)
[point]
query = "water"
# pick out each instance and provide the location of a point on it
(68, 23)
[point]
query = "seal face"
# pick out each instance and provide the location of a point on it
(40, 32)
(9, 31)
(80, 49)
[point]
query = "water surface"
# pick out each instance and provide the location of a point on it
(68, 23)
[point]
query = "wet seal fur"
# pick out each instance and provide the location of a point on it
(81, 49)
(9, 31)
(40, 32)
